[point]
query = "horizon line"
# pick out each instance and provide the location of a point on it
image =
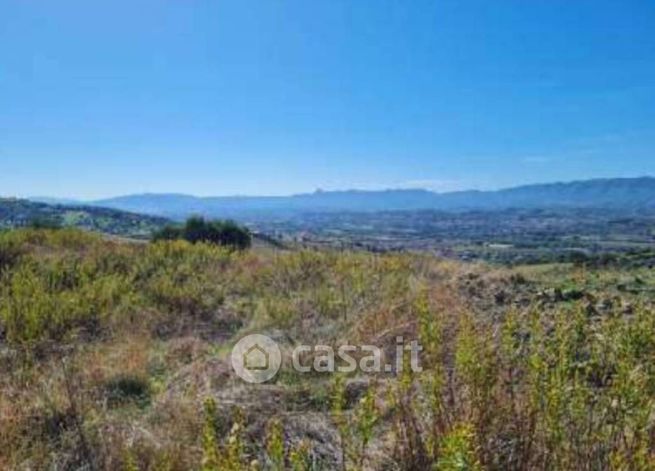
(320, 191)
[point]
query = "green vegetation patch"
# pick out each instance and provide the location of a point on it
(197, 229)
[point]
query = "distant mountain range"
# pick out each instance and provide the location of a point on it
(616, 193)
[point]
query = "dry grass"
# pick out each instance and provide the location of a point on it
(114, 356)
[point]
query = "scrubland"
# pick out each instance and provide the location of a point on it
(115, 356)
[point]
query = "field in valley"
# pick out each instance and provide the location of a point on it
(501, 236)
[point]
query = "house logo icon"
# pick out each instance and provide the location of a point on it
(256, 358)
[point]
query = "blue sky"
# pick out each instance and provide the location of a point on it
(277, 97)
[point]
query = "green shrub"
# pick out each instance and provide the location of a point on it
(458, 451)
(197, 229)
(54, 299)
(127, 388)
(52, 223)
(10, 251)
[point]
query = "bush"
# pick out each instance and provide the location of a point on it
(51, 223)
(54, 300)
(168, 233)
(10, 251)
(197, 229)
(126, 388)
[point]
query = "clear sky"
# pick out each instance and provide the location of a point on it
(101, 98)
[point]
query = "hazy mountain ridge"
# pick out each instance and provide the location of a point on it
(616, 193)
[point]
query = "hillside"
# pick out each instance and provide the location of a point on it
(17, 212)
(618, 193)
(116, 356)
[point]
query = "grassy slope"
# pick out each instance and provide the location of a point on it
(16, 212)
(114, 356)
